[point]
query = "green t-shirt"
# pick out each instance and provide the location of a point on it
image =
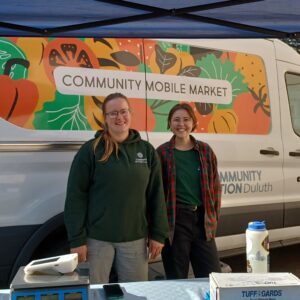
(188, 172)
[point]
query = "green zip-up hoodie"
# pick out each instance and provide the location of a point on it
(119, 200)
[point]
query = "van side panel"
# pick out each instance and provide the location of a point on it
(52, 90)
(289, 86)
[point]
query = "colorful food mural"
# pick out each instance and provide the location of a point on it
(60, 84)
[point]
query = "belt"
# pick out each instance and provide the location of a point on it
(187, 206)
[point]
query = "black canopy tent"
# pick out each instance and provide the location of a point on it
(151, 18)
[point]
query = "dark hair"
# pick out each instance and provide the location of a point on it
(187, 108)
(110, 144)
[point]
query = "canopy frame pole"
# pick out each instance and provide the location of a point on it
(155, 12)
(181, 13)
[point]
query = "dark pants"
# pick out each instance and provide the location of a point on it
(189, 245)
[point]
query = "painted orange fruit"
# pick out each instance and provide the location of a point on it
(223, 121)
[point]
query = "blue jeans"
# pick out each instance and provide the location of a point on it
(190, 245)
(131, 260)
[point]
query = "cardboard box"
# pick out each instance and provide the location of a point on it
(250, 286)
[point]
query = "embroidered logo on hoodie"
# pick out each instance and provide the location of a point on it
(140, 158)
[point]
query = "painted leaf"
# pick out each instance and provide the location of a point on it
(104, 62)
(103, 41)
(125, 58)
(213, 68)
(204, 108)
(183, 48)
(199, 53)
(165, 45)
(66, 112)
(11, 51)
(164, 60)
(160, 109)
(190, 71)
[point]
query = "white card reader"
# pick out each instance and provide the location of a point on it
(57, 264)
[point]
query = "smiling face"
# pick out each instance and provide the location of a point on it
(118, 117)
(181, 124)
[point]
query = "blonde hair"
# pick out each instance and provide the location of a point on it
(109, 143)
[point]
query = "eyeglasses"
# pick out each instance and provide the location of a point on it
(114, 114)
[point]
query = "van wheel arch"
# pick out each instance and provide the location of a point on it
(37, 245)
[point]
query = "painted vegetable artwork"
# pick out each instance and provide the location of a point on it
(18, 97)
(31, 99)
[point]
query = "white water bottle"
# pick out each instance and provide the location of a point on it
(257, 247)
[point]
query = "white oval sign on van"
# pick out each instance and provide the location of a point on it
(95, 82)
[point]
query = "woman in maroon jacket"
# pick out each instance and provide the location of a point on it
(193, 197)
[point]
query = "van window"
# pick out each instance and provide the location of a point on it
(293, 88)
(60, 83)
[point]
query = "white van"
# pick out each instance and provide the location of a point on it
(245, 93)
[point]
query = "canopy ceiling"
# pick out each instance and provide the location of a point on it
(151, 18)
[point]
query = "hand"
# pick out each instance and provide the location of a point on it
(82, 253)
(155, 248)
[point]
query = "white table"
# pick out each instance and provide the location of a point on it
(189, 289)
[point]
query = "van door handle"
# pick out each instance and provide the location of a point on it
(292, 153)
(269, 152)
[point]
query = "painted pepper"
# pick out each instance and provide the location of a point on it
(18, 98)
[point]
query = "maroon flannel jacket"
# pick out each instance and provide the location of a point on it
(209, 181)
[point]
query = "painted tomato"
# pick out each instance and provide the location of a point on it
(68, 52)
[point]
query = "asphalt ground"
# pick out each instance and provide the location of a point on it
(283, 259)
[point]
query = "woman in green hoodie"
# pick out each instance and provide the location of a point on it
(115, 202)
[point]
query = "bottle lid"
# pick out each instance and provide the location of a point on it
(257, 225)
